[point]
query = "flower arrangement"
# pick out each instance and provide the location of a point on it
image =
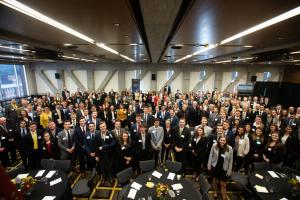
(25, 185)
(162, 190)
(294, 183)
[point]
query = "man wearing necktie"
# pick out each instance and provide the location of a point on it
(23, 131)
(66, 142)
(90, 146)
(182, 137)
(32, 145)
(142, 145)
(157, 136)
(79, 134)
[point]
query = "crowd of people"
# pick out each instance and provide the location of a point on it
(218, 131)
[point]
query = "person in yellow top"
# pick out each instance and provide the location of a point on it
(122, 115)
(45, 117)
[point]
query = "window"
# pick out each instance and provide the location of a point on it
(13, 81)
(234, 76)
(267, 76)
(202, 75)
(170, 74)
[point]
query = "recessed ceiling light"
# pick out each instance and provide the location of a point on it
(195, 60)
(133, 44)
(123, 61)
(125, 36)
(247, 46)
(67, 45)
(223, 61)
(295, 52)
(116, 24)
(145, 59)
(12, 48)
(141, 54)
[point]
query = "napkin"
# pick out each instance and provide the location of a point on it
(132, 193)
(136, 185)
(177, 186)
(50, 174)
(171, 176)
(261, 189)
(259, 176)
(21, 176)
(283, 198)
(40, 173)
(156, 174)
(273, 174)
(298, 178)
(49, 197)
(55, 181)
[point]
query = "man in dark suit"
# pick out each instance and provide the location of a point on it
(53, 130)
(90, 145)
(147, 118)
(66, 142)
(105, 145)
(228, 133)
(142, 145)
(3, 145)
(213, 118)
(80, 111)
(182, 137)
(21, 133)
(95, 120)
(79, 135)
(135, 128)
(111, 117)
(118, 131)
(32, 145)
(10, 133)
(162, 115)
(11, 113)
(58, 116)
(262, 114)
(194, 114)
(173, 118)
(69, 112)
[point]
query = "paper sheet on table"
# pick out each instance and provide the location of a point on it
(171, 176)
(273, 174)
(136, 185)
(21, 176)
(49, 198)
(259, 176)
(55, 181)
(132, 193)
(283, 198)
(177, 186)
(156, 174)
(50, 174)
(40, 173)
(261, 189)
(298, 178)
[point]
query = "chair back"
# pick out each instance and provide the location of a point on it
(47, 164)
(63, 165)
(204, 185)
(147, 165)
(124, 176)
(174, 167)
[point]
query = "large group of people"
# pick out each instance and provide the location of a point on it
(218, 131)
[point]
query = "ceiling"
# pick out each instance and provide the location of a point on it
(155, 31)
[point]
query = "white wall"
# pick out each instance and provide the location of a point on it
(194, 79)
(209, 83)
(129, 75)
(99, 76)
(41, 86)
(177, 83)
(113, 83)
(81, 75)
(145, 82)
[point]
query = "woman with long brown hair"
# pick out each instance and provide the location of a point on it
(274, 150)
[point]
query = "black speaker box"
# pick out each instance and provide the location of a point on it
(57, 76)
(153, 77)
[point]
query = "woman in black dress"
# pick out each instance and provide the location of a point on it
(167, 141)
(220, 163)
(49, 148)
(199, 145)
(274, 150)
(125, 152)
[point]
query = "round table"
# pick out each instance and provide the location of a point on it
(61, 190)
(278, 188)
(188, 192)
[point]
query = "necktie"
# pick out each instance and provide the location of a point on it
(138, 128)
(23, 132)
(146, 119)
(93, 136)
(171, 119)
(180, 131)
(69, 139)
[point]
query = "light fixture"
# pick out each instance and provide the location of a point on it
(67, 45)
(275, 20)
(126, 57)
(12, 48)
(126, 36)
(41, 17)
(133, 44)
(223, 61)
(295, 52)
(13, 57)
(145, 59)
(279, 18)
(77, 58)
(241, 59)
(247, 46)
(116, 24)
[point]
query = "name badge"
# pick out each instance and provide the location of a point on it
(39, 137)
(258, 142)
(140, 140)
(269, 149)
(57, 136)
(88, 137)
(253, 129)
(106, 137)
(240, 141)
(10, 130)
(55, 114)
(3, 138)
(223, 155)
(170, 136)
(190, 144)
(294, 124)
(64, 138)
(134, 130)
(182, 136)
(216, 119)
(214, 141)
(44, 148)
(69, 113)
(195, 139)
(12, 109)
(123, 148)
(153, 132)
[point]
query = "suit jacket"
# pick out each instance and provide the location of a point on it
(183, 140)
(162, 118)
(116, 136)
(28, 143)
(68, 114)
(134, 130)
(98, 120)
(174, 121)
(89, 142)
(55, 116)
(108, 145)
(228, 158)
(263, 116)
(194, 116)
(63, 143)
(291, 147)
(157, 136)
(11, 114)
(213, 119)
(20, 139)
(138, 144)
(149, 122)
(200, 147)
(79, 113)
(54, 153)
(79, 136)
(231, 138)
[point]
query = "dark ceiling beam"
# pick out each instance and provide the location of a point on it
(135, 8)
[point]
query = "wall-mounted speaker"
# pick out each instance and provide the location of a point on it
(57, 76)
(153, 77)
(253, 78)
